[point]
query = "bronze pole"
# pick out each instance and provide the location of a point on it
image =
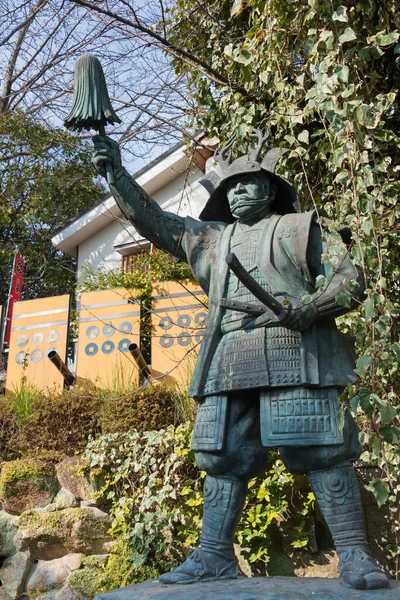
(61, 366)
(141, 363)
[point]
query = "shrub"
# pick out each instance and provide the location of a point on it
(156, 497)
(150, 408)
(27, 421)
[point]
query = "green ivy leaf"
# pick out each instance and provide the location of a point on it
(347, 36)
(380, 490)
(383, 325)
(236, 7)
(354, 404)
(320, 281)
(367, 226)
(344, 299)
(387, 39)
(340, 14)
(244, 57)
(376, 52)
(388, 414)
(396, 349)
(365, 400)
(349, 91)
(390, 434)
(343, 73)
(369, 309)
(303, 137)
(363, 364)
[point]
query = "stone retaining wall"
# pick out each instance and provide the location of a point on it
(53, 530)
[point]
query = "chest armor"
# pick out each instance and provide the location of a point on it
(251, 357)
(244, 243)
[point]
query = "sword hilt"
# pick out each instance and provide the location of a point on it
(254, 287)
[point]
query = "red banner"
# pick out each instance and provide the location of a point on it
(15, 292)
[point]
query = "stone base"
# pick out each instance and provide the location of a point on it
(257, 588)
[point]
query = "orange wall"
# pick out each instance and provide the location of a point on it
(178, 319)
(108, 323)
(38, 326)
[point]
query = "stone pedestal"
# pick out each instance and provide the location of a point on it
(257, 588)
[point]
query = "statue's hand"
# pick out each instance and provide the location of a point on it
(106, 151)
(299, 319)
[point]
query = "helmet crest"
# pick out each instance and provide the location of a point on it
(254, 154)
(217, 207)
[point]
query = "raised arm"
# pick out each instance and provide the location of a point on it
(161, 227)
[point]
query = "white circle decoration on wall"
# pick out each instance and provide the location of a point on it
(22, 340)
(92, 332)
(36, 355)
(53, 336)
(20, 358)
(37, 338)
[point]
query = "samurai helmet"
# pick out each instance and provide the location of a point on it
(217, 207)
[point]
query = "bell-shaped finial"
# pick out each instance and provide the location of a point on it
(91, 107)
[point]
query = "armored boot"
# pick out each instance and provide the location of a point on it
(224, 499)
(338, 497)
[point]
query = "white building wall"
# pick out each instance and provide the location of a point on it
(183, 196)
(98, 250)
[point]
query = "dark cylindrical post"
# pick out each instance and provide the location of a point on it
(141, 363)
(61, 366)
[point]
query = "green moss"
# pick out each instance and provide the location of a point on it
(55, 524)
(60, 525)
(26, 468)
(33, 594)
(85, 581)
(23, 469)
(95, 560)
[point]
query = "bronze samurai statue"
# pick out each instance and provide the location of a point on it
(271, 367)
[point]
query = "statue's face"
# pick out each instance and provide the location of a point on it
(250, 195)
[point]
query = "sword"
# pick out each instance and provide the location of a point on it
(255, 288)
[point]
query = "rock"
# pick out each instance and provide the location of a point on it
(19, 542)
(256, 588)
(53, 595)
(55, 534)
(8, 534)
(76, 477)
(4, 595)
(96, 512)
(64, 593)
(72, 562)
(14, 572)
(46, 575)
(50, 507)
(27, 483)
(88, 503)
(65, 499)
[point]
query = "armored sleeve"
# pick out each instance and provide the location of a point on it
(161, 227)
(343, 276)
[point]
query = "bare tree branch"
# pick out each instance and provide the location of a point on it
(14, 55)
(176, 51)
